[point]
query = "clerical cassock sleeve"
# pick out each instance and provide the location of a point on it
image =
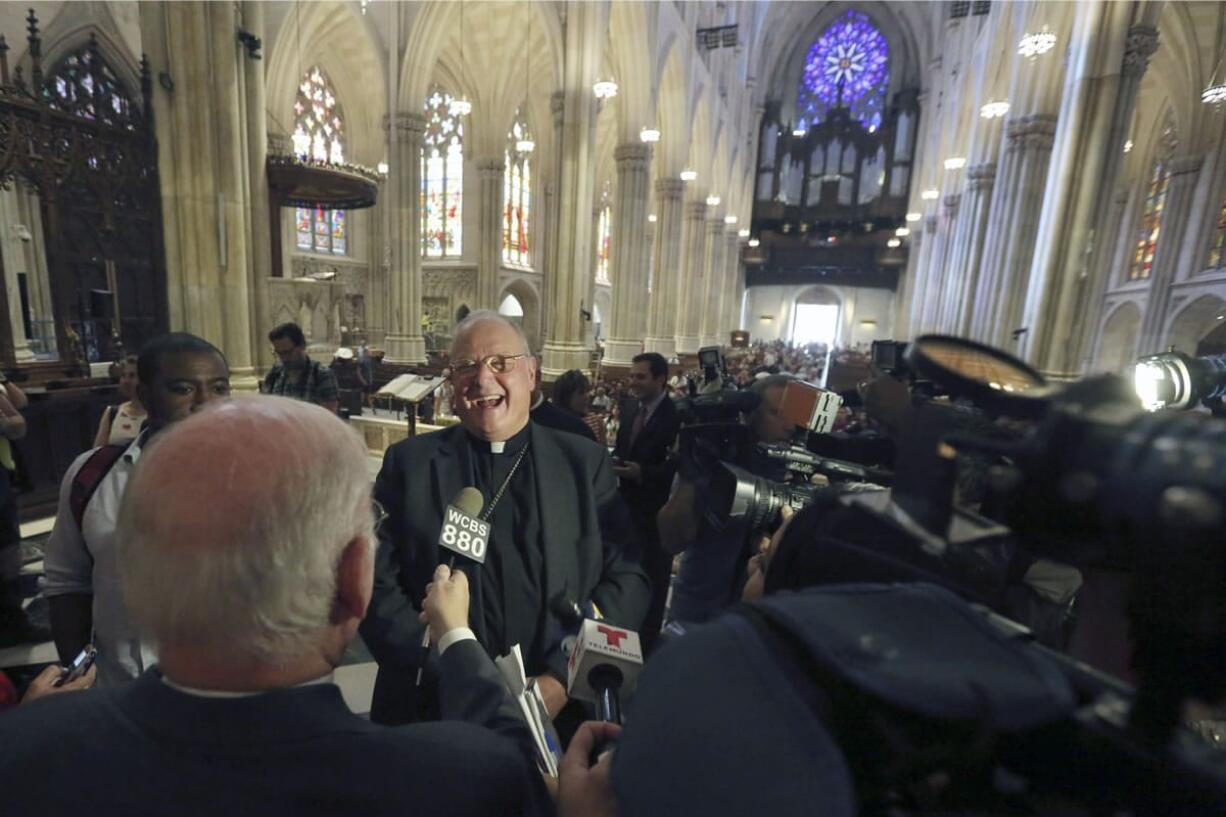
(391, 629)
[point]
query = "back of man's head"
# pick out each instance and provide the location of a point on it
(234, 523)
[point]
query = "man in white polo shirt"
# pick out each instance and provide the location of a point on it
(179, 374)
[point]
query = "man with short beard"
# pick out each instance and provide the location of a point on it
(296, 375)
(558, 527)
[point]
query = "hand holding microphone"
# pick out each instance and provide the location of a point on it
(445, 607)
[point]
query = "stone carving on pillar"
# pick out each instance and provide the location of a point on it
(981, 177)
(628, 321)
(1031, 132)
(405, 343)
(662, 314)
(1141, 44)
(490, 171)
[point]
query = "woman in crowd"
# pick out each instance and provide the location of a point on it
(121, 424)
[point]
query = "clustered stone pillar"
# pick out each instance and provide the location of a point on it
(564, 347)
(490, 171)
(922, 252)
(405, 344)
(732, 284)
(690, 285)
(938, 264)
(628, 324)
(550, 270)
(662, 314)
(966, 271)
(205, 178)
(714, 283)
(1071, 270)
(1017, 202)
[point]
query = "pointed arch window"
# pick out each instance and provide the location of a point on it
(442, 179)
(319, 136)
(1151, 223)
(847, 66)
(1217, 252)
(604, 237)
(517, 194)
(85, 86)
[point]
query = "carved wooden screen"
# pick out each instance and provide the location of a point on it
(78, 137)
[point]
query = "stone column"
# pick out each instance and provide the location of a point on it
(714, 283)
(1009, 249)
(979, 197)
(628, 325)
(1180, 191)
(549, 263)
(731, 318)
(938, 264)
(564, 346)
(257, 160)
(405, 344)
(908, 291)
(491, 171)
(690, 284)
(1071, 269)
(662, 313)
(205, 176)
(923, 275)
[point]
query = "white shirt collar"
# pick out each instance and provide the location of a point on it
(217, 693)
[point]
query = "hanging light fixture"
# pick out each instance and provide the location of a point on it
(914, 216)
(1128, 146)
(753, 242)
(713, 201)
(649, 135)
(689, 175)
(742, 233)
(994, 110)
(730, 219)
(605, 89)
(956, 163)
(893, 243)
(1215, 91)
(382, 168)
(651, 218)
(930, 195)
(1035, 45)
(902, 232)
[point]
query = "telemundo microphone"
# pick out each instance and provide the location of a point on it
(465, 534)
(605, 662)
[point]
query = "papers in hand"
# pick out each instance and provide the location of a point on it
(532, 706)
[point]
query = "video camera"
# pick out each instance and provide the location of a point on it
(1091, 480)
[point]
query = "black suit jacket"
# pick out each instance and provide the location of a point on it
(149, 749)
(551, 416)
(651, 450)
(584, 524)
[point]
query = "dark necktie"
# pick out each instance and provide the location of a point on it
(640, 417)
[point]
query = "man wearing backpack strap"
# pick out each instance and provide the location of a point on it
(298, 376)
(179, 374)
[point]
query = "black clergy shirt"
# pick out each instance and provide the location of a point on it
(512, 580)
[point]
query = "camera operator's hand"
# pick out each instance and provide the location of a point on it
(629, 470)
(445, 607)
(755, 583)
(584, 788)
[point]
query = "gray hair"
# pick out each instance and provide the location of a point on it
(233, 524)
(473, 319)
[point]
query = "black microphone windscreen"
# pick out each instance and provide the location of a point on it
(470, 501)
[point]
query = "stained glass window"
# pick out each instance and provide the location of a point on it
(604, 237)
(442, 179)
(517, 193)
(1217, 253)
(81, 81)
(319, 136)
(1151, 224)
(847, 66)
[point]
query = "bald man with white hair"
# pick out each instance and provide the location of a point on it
(250, 564)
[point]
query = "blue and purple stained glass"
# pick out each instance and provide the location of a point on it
(847, 65)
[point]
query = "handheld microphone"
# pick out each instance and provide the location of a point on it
(606, 660)
(464, 534)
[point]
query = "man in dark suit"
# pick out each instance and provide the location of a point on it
(649, 425)
(558, 527)
(241, 715)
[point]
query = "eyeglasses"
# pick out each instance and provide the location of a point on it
(380, 513)
(498, 364)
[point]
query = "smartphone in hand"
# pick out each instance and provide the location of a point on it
(79, 666)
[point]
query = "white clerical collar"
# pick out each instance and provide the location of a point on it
(218, 693)
(497, 446)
